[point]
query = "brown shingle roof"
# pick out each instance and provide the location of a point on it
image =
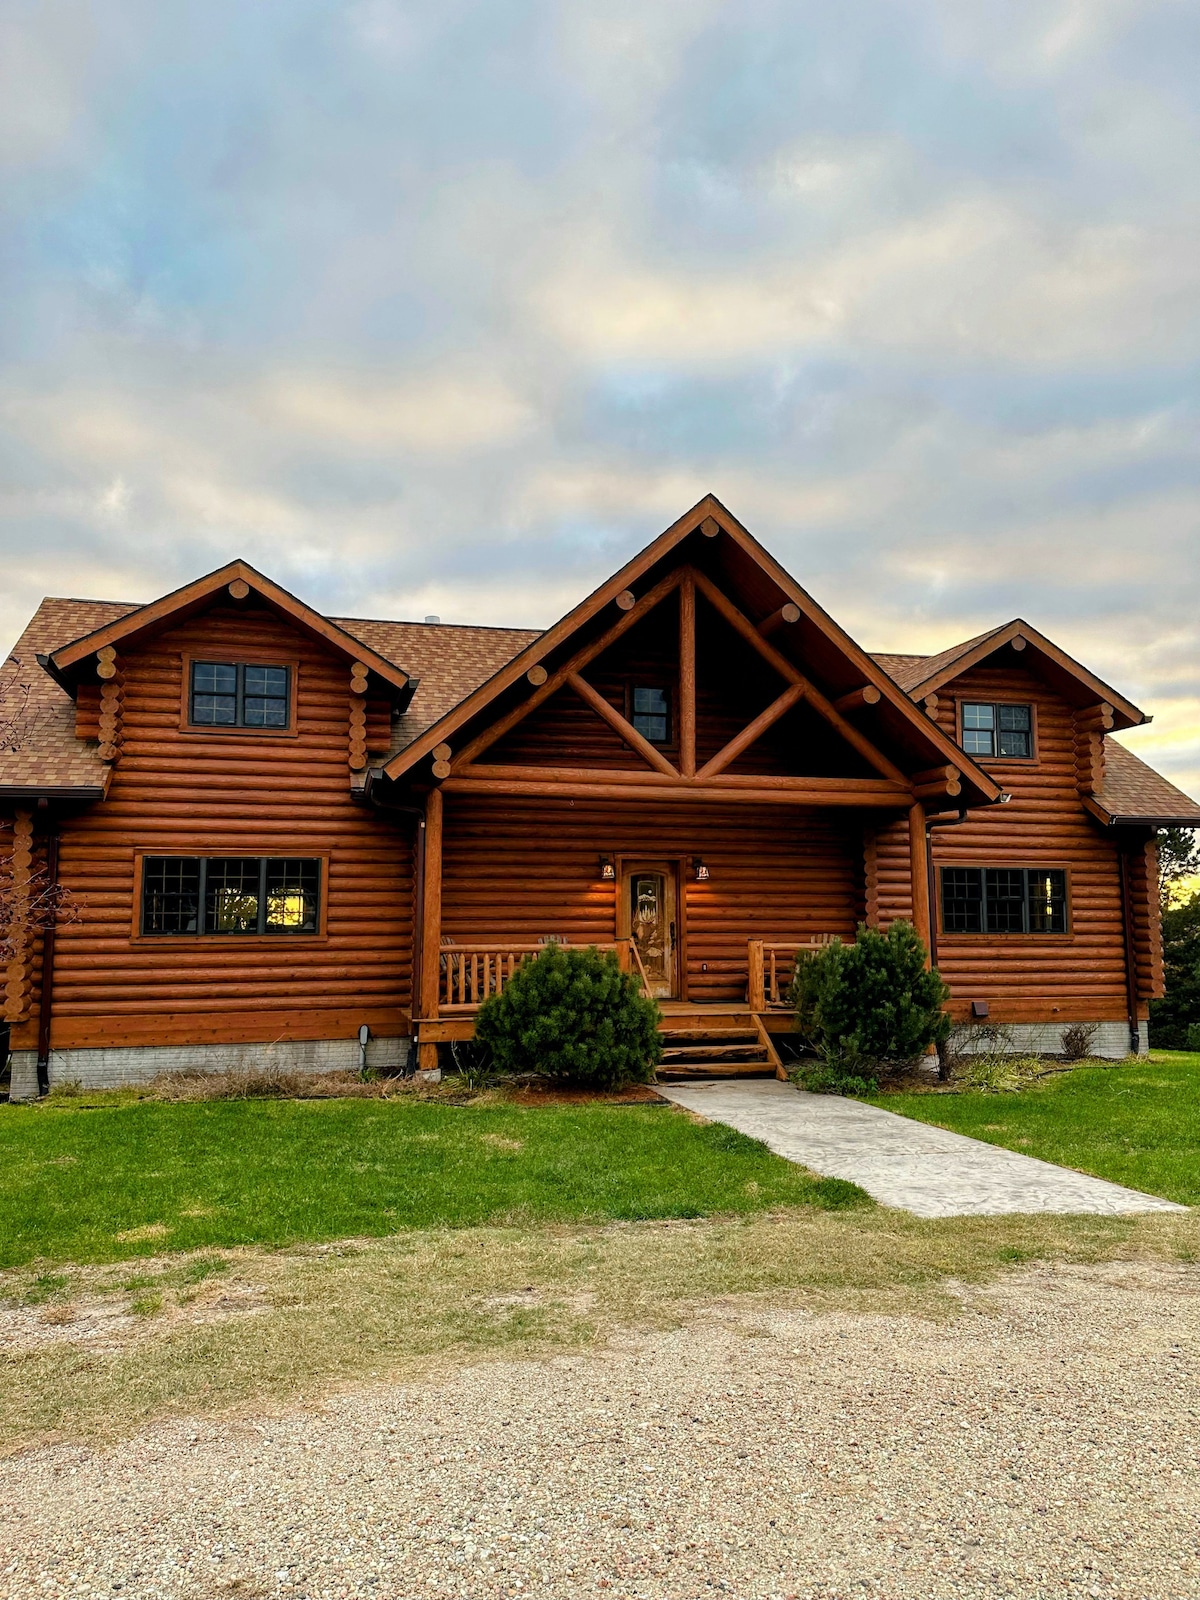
(1134, 792)
(38, 747)
(910, 672)
(448, 660)
(907, 671)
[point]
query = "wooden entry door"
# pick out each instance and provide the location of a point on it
(649, 895)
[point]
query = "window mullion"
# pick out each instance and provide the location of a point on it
(262, 894)
(240, 712)
(200, 928)
(1024, 899)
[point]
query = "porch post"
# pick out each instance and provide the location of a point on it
(919, 873)
(431, 925)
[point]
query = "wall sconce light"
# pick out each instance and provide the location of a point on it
(699, 870)
(608, 870)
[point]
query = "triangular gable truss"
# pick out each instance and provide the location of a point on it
(952, 663)
(892, 786)
(242, 580)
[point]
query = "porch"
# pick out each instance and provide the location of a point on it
(700, 1037)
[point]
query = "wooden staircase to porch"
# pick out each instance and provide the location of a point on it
(715, 1042)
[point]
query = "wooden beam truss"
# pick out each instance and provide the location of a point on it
(688, 581)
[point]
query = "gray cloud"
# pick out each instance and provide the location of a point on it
(452, 308)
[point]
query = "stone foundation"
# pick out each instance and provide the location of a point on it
(114, 1066)
(1045, 1038)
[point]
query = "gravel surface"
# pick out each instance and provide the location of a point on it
(1043, 1443)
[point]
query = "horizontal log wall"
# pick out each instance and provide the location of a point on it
(213, 793)
(530, 869)
(1026, 978)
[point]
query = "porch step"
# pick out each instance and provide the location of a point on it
(714, 1052)
(722, 1048)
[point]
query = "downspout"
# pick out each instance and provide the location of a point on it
(46, 1006)
(1130, 940)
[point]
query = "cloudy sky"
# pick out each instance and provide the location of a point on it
(451, 307)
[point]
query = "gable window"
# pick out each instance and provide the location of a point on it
(997, 730)
(651, 713)
(230, 895)
(1004, 900)
(228, 694)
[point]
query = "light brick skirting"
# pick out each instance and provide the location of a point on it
(116, 1065)
(1045, 1038)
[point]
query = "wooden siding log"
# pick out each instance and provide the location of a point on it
(694, 792)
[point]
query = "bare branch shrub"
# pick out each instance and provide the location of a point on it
(1078, 1041)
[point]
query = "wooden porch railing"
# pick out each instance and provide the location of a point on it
(772, 966)
(471, 973)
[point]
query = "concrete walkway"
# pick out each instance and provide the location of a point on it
(929, 1171)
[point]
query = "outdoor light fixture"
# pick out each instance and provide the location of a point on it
(608, 871)
(699, 869)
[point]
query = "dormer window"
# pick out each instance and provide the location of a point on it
(997, 730)
(228, 694)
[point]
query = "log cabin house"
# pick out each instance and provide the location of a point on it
(317, 841)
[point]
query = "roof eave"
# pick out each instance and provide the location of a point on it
(1126, 714)
(192, 596)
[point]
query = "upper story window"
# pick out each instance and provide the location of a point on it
(227, 694)
(1004, 900)
(230, 895)
(651, 713)
(997, 730)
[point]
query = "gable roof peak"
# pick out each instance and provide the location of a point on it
(240, 580)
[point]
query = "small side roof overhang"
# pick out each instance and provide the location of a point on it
(1133, 795)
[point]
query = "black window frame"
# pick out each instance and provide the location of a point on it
(668, 714)
(996, 707)
(308, 880)
(239, 696)
(988, 888)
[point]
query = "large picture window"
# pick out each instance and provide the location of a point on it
(229, 694)
(230, 895)
(1004, 900)
(997, 730)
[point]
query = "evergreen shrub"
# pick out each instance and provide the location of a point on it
(573, 1014)
(865, 1005)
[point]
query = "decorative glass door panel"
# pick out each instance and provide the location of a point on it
(649, 895)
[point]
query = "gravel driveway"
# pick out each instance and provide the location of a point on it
(1044, 1443)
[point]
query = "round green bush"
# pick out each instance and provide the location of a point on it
(573, 1014)
(865, 1004)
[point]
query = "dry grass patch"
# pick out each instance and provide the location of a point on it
(214, 1332)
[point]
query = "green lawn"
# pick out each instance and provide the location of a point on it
(1136, 1124)
(106, 1181)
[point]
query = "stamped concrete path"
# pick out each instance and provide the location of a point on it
(899, 1162)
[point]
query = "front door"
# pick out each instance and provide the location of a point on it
(648, 891)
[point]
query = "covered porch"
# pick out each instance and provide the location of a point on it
(700, 1037)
